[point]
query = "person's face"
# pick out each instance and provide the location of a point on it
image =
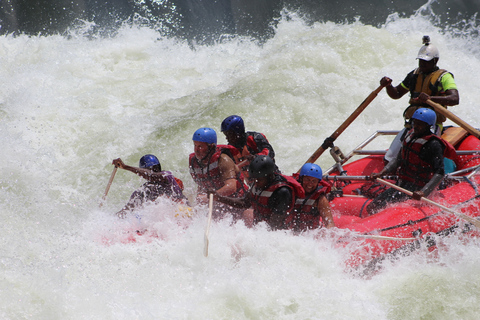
(201, 149)
(309, 184)
(261, 183)
(232, 137)
(420, 127)
(426, 66)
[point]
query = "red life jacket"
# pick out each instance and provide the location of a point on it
(413, 168)
(179, 182)
(305, 214)
(239, 155)
(251, 146)
(260, 197)
(208, 177)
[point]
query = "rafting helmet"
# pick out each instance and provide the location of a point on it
(233, 123)
(428, 51)
(207, 135)
(311, 170)
(149, 160)
(261, 167)
(426, 115)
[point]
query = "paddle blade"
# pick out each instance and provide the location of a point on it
(108, 185)
(209, 221)
(205, 246)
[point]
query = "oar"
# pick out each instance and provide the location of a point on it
(375, 237)
(209, 221)
(345, 124)
(458, 214)
(108, 185)
(440, 109)
(353, 178)
(243, 163)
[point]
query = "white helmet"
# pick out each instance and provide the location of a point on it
(428, 51)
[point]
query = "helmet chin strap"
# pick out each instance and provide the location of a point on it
(211, 150)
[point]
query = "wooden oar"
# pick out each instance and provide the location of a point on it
(243, 163)
(353, 178)
(209, 221)
(440, 109)
(375, 237)
(345, 124)
(108, 185)
(458, 214)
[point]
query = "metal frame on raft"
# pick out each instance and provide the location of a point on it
(341, 159)
(341, 180)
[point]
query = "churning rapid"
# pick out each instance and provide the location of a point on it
(71, 104)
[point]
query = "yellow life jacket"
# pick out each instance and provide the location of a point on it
(426, 83)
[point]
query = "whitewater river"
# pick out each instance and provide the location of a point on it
(69, 105)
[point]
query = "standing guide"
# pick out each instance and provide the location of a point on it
(426, 82)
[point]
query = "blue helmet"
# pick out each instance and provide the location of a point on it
(311, 170)
(233, 123)
(148, 160)
(207, 135)
(426, 115)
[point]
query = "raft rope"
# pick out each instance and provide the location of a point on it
(363, 207)
(410, 222)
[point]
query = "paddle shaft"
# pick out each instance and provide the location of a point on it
(353, 178)
(460, 215)
(345, 124)
(440, 109)
(375, 237)
(209, 221)
(109, 184)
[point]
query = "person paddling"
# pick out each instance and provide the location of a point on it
(419, 164)
(212, 168)
(312, 211)
(159, 183)
(248, 144)
(427, 82)
(271, 197)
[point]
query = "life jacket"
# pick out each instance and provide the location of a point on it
(412, 167)
(151, 191)
(179, 182)
(305, 214)
(260, 198)
(249, 148)
(426, 83)
(208, 177)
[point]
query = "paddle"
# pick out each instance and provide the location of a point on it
(209, 221)
(353, 178)
(344, 125)
(108, 185)
(460, 215)
(242, 164)
(440, 109)
(374, 237)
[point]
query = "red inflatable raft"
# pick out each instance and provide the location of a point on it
(402, 227)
